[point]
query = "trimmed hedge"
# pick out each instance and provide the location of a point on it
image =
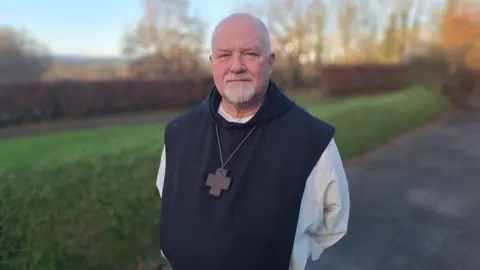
(39, 101)
(363, 78)
(35, 101)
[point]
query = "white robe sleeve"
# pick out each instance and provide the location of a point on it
(161, 173)
(329, 195)
(160, 179)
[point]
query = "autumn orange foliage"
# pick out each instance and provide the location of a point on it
(461, 36)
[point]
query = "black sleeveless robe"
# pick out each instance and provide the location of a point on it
(252, 225)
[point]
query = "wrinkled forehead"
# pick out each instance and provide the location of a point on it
(239, 35)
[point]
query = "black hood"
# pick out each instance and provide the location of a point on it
(275, 104)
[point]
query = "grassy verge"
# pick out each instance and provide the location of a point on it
(87, 200)
(364, 123)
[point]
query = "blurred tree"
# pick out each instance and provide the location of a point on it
(365, 44)
(461, 33)
(347, 25)
(166, 41)
(317, 13)
(454, 53)
(297, 34)
(22, 58)
(403, 30)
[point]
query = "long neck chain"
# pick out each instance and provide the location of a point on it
(234, 151)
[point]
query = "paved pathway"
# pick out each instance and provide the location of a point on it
(415, 203)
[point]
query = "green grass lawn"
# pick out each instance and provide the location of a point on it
(87, 200)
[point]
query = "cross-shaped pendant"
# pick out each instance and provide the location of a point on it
(218, 182)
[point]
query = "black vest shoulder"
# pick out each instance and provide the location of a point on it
(252, 225)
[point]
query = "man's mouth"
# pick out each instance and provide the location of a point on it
(239, 80)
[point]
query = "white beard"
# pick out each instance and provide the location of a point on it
(239, 93)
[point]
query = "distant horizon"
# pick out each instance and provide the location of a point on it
(95, 29)
(86, 55)
(92, 28)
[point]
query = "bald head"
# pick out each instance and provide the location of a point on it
(241, 59)
(243, 21)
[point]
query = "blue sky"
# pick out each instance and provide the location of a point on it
(96, 27)
(93, 27)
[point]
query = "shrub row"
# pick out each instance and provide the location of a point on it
(363, 78)
(29, 102)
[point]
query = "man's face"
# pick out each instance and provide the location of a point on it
(240, 63)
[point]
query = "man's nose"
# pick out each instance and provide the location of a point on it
(237, 64)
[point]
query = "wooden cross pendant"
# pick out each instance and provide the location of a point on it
(218, 182)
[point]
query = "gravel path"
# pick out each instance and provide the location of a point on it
(415, 203)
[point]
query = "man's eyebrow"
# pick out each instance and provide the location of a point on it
(222, 50)
(253, 48)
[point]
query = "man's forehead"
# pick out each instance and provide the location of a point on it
(239, 39)
(247, 30)
(227, 48)
(239, 19)
(240, 32)
(247, 39)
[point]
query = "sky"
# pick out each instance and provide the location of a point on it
(96, 27)
(91, 27)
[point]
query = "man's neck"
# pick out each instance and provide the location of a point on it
(242, 110)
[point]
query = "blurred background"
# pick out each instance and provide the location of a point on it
(86, 88)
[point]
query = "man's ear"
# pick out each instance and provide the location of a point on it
(271, 62)
(210, 58)
(272, 59)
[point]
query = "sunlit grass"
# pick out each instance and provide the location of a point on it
(87, 200)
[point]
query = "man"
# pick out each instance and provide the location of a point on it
(248, 179)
